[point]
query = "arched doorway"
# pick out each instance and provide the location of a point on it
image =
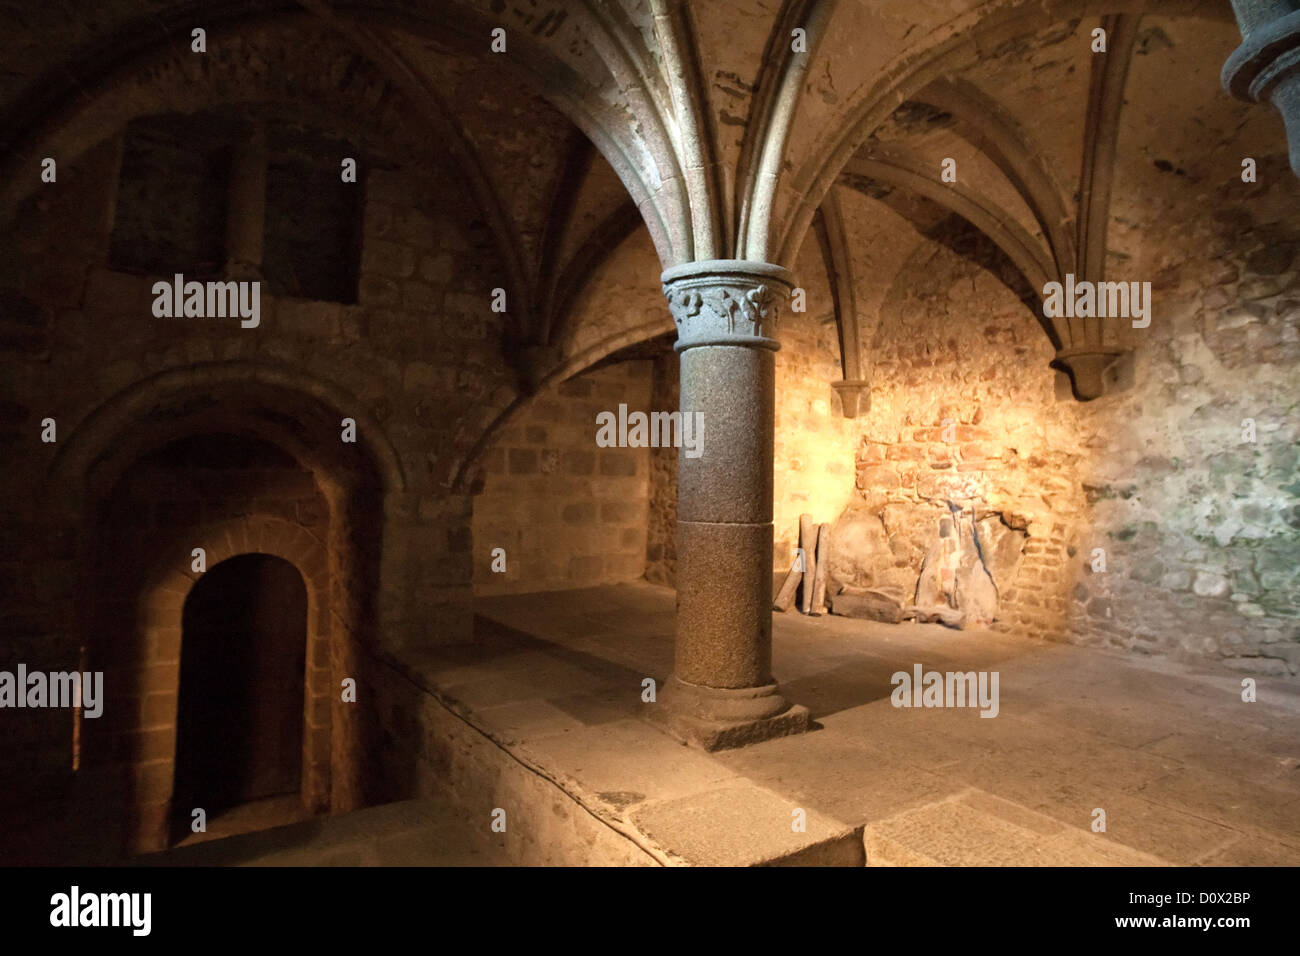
(144, 502)
(241, 701)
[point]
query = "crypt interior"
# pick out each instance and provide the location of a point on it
(366, 582)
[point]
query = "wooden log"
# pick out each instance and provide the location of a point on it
(785, 597)
(823, 566)
(808, 541)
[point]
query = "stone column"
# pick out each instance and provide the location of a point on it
(722, 693)
(1266, 67)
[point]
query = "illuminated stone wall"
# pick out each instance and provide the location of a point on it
(566, 512)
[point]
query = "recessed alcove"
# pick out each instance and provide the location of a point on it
(242, 702)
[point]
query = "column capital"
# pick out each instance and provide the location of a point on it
(727, 302)
(1266, 67)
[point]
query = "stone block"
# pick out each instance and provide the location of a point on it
(618, 462)
(731, 481)
(868, 603)
(438, 269)
(579, 462)
(420, 296)
(381, 293)
(1208, 584)
(877, 478)
(716, 734)
(586, 568)
(624, 567)
(874, 453)
(580, 512)
(620, 512)
(905, 452)
(724, 617)
(523, 461)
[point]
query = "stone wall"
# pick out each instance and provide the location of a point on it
(420, 745)
(415, 361)
(813, 448)
(1193, 482)
(1198, 525)
(567, 512)
(965, 412)
(661, 535)
(227, 496)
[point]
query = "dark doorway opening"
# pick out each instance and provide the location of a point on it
(239, 727)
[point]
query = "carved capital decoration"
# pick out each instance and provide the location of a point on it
(727, 302)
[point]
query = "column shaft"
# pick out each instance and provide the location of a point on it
(722, 693)
(724, 519)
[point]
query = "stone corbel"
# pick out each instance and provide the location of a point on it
(855, 396)
(1096, 370)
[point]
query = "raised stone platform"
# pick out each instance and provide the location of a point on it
(543, 717)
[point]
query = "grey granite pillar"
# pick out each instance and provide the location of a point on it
(722, 693)
(1266, 67)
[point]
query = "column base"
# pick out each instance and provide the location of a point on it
(713, 718)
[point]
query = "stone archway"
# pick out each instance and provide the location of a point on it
(157, 674)
(130, 627)
(241, 709)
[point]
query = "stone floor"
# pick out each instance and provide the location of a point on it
(264, 814)
(410, 833)
(1186, 772)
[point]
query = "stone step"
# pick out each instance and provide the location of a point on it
(974, 828)
(424, 832)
